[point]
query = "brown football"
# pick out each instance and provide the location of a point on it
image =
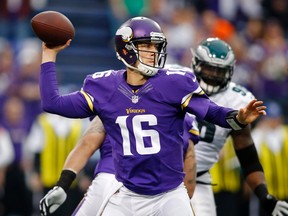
(52, 27)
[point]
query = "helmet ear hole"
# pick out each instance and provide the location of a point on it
(124, 51)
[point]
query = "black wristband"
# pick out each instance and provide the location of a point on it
(267, 201)
(66, 179)
(249, 160)
(233, 121)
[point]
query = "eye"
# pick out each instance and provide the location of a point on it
(143, 45)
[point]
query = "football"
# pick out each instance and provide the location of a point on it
(53, 28)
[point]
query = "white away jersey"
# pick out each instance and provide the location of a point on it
(213, 137)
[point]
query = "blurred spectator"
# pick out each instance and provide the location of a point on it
(252, 31)
(230, 192)
(212, 25)
(14, 19)
(180, 35)
(244, 72)
(236, 12)
(160, 11)
(17, 196)
(269, 56)
(26, 83)
(7, 68)
(271, 139)
(6, 158)
(51, 139)
(277, 9)
(122, 10)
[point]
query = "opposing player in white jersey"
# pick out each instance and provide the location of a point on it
(213, 64)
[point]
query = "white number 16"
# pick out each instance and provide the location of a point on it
(139, 134)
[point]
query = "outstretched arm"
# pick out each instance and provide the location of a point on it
(229, 118)
(253, 172)
(74, 105)
(91, 141)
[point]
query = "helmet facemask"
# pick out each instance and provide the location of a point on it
(213, 79)
(159, 56)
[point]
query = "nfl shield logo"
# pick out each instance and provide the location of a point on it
(135, 99)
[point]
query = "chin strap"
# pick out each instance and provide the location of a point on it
(145, 70)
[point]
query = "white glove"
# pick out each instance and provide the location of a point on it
(52, 200)
(281, 209)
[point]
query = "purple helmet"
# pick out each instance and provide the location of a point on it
(138, 30)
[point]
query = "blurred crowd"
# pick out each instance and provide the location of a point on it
(257, 30)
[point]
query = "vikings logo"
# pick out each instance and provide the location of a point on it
(126, 33)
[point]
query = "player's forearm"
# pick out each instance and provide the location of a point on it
(217, 115)
(254, 176)
(75, 162)
(190, 169)
(78, 157)
(91, 141)
(254, 179)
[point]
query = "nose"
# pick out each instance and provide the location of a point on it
(210, 70)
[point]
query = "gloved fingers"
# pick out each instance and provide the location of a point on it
(283, 204)
(280, 208)
(43, 207)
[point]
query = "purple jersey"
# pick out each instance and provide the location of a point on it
(145, 126)
(105, 164)
(190, 130)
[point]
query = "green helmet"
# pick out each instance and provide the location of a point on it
(213, 63)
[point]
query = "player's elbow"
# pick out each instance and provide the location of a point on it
(48, 107)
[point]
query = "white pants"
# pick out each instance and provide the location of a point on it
(128, 203)
(203, 198)
(102, 188)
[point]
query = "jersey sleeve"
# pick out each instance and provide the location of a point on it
(203, 108)
(99, 87)
(73, 105)
(190, 129)
(179, 85)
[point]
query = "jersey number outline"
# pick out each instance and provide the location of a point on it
(139, 134)
(207, 131)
